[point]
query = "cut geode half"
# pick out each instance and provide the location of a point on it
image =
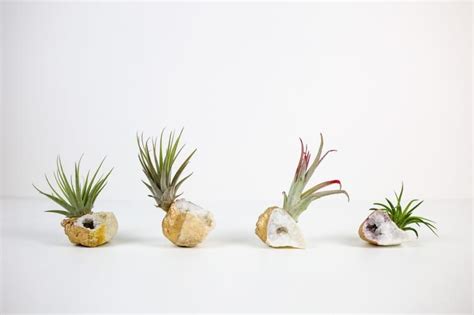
(379, 229)
(187, 224)
(92, 229)
(390, 223)
(276, 228)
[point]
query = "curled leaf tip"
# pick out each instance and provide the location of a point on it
(336, 181)
(347, 195)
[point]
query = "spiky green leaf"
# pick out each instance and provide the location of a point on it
(157, 165)
(403, 216)
(75, 195)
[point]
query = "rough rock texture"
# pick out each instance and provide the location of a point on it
(92, 229)
(187, 224)
(379, 229)
(276, 228)
(262, 223)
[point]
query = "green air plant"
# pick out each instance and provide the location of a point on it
(277, 227)
(76, 197)
(389, 222)
(157, 164)
(185, 224)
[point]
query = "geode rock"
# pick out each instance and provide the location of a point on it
(92, 229)
(276, 228)
(187, 224)
(379, 229)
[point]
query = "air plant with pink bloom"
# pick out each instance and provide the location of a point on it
(277, 226)
(298, 201)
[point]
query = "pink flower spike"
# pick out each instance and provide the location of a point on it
(303, 162)
(302, 146)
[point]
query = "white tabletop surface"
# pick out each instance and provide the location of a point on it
(140, 271)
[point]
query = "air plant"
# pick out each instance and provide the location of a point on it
(185, 224)
(76, 197)
(277, 227)
(389, 222)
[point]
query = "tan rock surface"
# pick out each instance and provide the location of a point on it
(262, 224)
(362, 235)
(92, 229)
(186, 224)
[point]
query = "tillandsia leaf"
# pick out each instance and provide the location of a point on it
(66, 213)
(66, 186)
(383, 206)
(399, 197)
(285, 200)
(97, 189)
(408, 206)
(409, 211)
(76, 196)
(306, 201)
(77, 189)
(58, 200)
(391, 205)
(403, 216)
(297, 200)
(157, 164)
(411, 229)
(181, 169)
(319, 158)
(178, 184)
(316, 161)
(320, 186)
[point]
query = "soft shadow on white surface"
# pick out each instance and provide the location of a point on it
(141, 271)
(337, 240)
(355, 241)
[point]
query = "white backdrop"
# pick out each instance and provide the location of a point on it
(389, 85)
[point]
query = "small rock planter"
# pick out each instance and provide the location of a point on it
(277, 227)
(389, 224)
(77, 198)
(185, 224)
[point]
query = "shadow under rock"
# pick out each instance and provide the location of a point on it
(233, 239)
(355, 241)
(127, 238)
(342, 240)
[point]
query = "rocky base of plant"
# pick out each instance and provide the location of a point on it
(91, 230)
(379, 229)
(276, 228)
(187, 224)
